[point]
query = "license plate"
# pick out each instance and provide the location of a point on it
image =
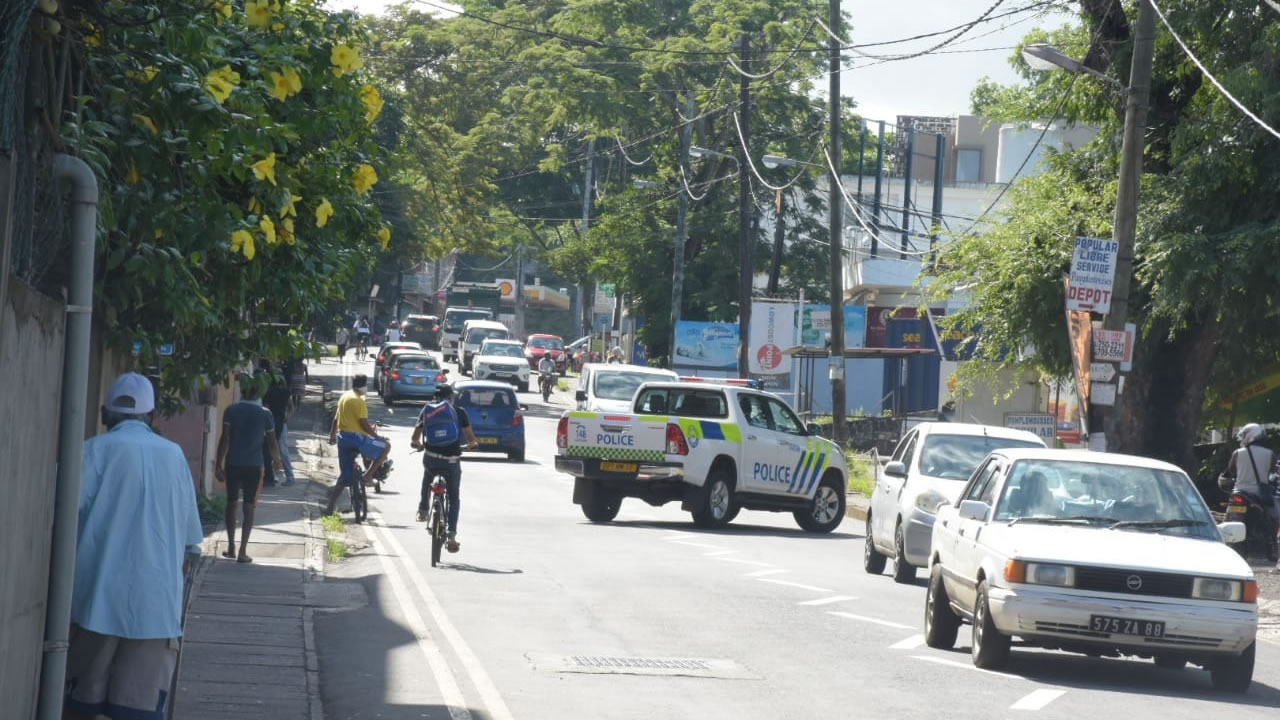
(488, 440)
(619, 467)
(1124, 626)
(419, 381)
(1237, 510)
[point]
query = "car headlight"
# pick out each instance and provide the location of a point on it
(930, 500)
(1047, 574)
(1217, 589)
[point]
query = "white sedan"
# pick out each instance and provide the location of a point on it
(1092, 553)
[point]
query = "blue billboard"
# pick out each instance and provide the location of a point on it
(712, 345)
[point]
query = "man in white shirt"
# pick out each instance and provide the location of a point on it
(393, 333)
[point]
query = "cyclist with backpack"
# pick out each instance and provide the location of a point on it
(440, 431)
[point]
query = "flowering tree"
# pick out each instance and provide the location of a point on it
(233, 148)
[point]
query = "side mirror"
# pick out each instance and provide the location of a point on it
(896, 469)
(975, 510)
(813, 429)
(444, 371)
(580, 396)
(1232, 532)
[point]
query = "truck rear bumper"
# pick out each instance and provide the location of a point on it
(645, 471)
(654, 483)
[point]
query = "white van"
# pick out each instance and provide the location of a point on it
(608, 387)
(451, 328)
(475, 332)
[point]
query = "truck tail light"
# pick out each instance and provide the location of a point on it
(676, 444)
(562, 433)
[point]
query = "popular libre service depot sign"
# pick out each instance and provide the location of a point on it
(1093, 269)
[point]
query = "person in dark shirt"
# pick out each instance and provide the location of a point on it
(444, 460)
(279, 400)
(246, 427)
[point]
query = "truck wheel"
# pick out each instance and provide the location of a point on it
(941, 624)
(872, 561)
(990, 646)
(903, 571)
(826, 510)
(602, 507)
(717, 500)
(1234, 674)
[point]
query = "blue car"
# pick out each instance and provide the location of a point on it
(411, 376)
(495, 416)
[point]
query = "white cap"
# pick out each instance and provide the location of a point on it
(131, 394)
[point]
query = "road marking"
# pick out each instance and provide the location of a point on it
(696, 544)
(1037, 699)
(488, 692)
(964, 666)
(717, 553)
(444, 677)
(828, 600)
(788, 583)
(745, 562)
(873, 621)
(910, 643)
(762, 573)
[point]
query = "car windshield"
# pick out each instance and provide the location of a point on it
(546, 343)
(501, 350)
(453, 319)
(1115, 497)
(621, 385)
(955, 457)
(479, 335)
(417, 362)
(495, 398)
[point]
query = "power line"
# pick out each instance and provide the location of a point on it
(950, 39)
(1239, 105)
(761, 76)
(746, 152)
(627, 157)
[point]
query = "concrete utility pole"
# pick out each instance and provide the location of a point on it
(779, 238)
(519, 290)
(744, 218)
(584, 317)
(835, 230)
(682, 211)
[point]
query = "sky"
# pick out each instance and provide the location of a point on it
(930, 85)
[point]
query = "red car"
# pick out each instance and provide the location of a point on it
(538, 345)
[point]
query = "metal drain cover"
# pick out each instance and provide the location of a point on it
(623, 665)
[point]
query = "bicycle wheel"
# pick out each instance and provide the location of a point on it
(359, 499)
(437, 529)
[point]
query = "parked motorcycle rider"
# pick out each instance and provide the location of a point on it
(1249, 466)
(546, 370)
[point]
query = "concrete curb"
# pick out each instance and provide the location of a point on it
(856, 506)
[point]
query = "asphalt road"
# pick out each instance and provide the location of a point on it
(544, 615)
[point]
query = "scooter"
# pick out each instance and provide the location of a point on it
(1260, 537)
(544, 383)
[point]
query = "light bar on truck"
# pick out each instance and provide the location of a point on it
(738, 382)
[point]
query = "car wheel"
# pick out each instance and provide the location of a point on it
(717, 500)
(941, 624)
(826, 510)
(602, 507)
(990, 646)
(1170, 662)
(872, 561)
(903, 571)
(1234, 674)
(516, 456)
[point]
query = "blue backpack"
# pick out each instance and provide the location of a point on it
(440, 427)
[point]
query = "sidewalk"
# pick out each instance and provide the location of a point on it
(249, 648)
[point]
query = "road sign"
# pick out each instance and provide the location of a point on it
(1042, 424)
(1102, 372)
(166, 349)
(1093, 269)
(1102, 394)
(1112, 346)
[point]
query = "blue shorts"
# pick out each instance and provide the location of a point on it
(351, 443)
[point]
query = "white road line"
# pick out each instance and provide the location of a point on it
(489, 695)
(745, 562)
(788, 583)
(452, 695)
(1037, 699)
(828, 600)
(964, 666)
(873, 621)
(717, 553)
(910, 643)
(695, 544)
(762, 573)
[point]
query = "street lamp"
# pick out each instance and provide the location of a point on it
(1044, 58)
(698, 152)
(777, 161)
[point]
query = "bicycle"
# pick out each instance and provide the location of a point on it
(359, 496)
(437, 520)
(362, 347)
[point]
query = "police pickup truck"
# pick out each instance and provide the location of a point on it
(715, 448)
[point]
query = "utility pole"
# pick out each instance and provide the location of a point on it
(875, 211)
(519, 289)
(682, 211)
(779, 235)
(1124, 227)
(584, 317)
(744, 217)
(906, 192)
(836, 233)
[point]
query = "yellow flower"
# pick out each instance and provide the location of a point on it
(345, 59)
(268, 229)
(220, 82)
(257, 13)
(255, 207)
(159, 233)
(290, 208)
(384, 236)
(324, 211)
(132, 177)
(295, 82)
(277, 26)
(146, 122)
(265, 169)
(372, 102)
(278, 88)
(93, 39)
(242, 242)
(286, 231)
(364, 178)
(223, 8)
(146, 74)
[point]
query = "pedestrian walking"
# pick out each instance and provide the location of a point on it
(138, 523)
(296, 370)
(393, 335)
(280, 401)
(246, 427)
(341, 339)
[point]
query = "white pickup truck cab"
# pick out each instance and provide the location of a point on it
(715, 448)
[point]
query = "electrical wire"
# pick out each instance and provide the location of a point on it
(752, 163)
(627, 157)
(950, 39)
(1231, 98)
(785, 61)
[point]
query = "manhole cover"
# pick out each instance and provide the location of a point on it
(625, 665)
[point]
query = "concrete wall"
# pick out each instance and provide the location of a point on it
(32, 333)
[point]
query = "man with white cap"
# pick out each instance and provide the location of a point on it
(138, 520)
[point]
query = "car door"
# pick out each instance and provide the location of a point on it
(967, 553)
(757, 472)
(884, 500)
(800, 457)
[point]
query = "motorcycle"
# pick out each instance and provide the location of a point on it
(545, 379)
(1260, 537)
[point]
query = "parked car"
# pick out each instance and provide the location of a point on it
(411, 375)
(381, 357)
(475, 333)
(927, 470)
(1095, 553)
(422, 329)
(451, 328)
(610, 387)
(501, 360)
(539, 345)
(496, 416)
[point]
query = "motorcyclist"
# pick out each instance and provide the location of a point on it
(546, 368)
(615, 354)
(1248, 467)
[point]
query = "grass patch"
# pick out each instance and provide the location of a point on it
(563, 385)
(335, 533)
(861, 475)
(333, 524)
(337, 549)
(213, 508)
